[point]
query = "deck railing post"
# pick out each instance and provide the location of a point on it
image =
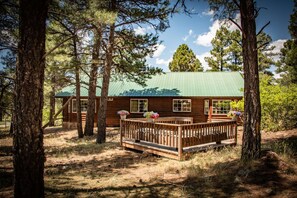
(121, 133)
(235, 126)
(180, 143)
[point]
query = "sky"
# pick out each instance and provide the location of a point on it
(198, 30)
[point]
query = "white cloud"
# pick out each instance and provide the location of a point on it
(279, 44)
(204, 39)
(208, 13)
(160, 61)
(159, 51)
(188, 35)
(203, 62)
(140, 30)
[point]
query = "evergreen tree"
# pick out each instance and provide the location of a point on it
(154, 14)
(251, 141)
(219, 52)
(287, 65)
(184, 59)
(234, 56)
(28, 158)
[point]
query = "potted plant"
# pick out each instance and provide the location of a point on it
(123, 114)
(151, 116)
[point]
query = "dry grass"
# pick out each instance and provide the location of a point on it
(80, 168)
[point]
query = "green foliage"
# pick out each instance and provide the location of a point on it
(279, 109)
(237, 105)
(293, 22)
(227, 51)
(184, 59)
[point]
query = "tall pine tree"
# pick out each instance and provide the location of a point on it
(184, 60)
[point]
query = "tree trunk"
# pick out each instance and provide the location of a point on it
(77, 87)
(28, 156)
(52, 103)
(251, 140)
(89, 128)
(101, 137)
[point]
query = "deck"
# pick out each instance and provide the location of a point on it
(176, 137)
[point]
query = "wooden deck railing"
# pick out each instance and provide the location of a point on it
(177, 136)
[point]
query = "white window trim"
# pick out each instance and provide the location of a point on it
(72, 103)
(189, 100)
(138, 104)
(213, 107)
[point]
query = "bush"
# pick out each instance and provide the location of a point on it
(279, 109)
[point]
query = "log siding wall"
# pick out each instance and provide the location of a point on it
(162, 105)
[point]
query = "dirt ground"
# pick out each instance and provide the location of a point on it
(80, 168)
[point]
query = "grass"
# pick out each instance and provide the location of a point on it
(80, 168)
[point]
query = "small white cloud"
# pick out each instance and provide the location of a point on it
(159, 51)
(140, 30)
(160, 61)
(208, 13)
(190, 32)
(203, 62)
(188, 35)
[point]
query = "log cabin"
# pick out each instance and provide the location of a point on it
(200, 95)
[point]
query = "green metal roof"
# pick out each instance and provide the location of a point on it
(194, 84)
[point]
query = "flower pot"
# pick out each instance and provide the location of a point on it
(123, 117)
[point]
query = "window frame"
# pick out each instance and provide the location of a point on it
(215, 100)
(182, 111)
(138, 99)
(73, 102)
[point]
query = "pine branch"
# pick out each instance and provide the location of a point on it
(264, 44)
(236, 24)
(263, 28)
(57, 46)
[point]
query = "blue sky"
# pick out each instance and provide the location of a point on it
(198, 30)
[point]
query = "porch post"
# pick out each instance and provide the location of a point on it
(180, 144)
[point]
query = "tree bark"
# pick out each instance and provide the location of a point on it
(101, 136)
(77, 88)
(28, 151)
(52, 102)
(251, 140)
(89, 128)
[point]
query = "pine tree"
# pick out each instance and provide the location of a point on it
(184, 59)
(219, 52)
(251, 141)
(28, 158)
(287, 65)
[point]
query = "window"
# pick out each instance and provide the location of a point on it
(221, 106)
(83, 105)
(206, 107)
(138, 105)
(182, 105)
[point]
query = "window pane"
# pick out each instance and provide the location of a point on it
(221, 106)
(181, 105)
(138, 105)
(206, 107)
(134, 105)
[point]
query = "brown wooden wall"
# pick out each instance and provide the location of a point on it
(162, 105)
